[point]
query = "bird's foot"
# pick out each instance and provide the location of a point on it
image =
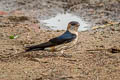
(62, 51)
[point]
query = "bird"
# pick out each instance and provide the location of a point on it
(63, 42)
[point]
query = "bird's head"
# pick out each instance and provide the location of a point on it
(73, 26)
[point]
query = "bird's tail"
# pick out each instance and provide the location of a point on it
(39, 47)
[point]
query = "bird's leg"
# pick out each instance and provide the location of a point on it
(62, 51)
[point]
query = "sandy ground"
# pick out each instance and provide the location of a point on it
(95, 57)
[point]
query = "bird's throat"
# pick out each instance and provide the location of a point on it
(73, 32)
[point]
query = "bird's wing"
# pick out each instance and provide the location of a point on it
(64, 38)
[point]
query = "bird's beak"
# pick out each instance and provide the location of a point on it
(78, 25)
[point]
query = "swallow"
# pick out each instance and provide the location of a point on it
(67, 40)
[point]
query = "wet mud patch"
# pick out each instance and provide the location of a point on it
(60, 22)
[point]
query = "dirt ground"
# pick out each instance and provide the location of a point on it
(95, 57)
